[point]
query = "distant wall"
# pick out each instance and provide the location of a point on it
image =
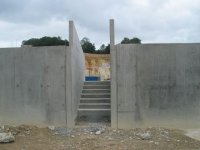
(97, 65)
(158, 85)
(41, 85)
(32, 87)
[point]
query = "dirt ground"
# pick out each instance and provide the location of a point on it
(97, 137)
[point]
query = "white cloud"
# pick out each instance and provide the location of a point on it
(140, 2)
(150, 20)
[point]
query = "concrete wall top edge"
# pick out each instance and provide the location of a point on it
(161, 44)
(36, 47)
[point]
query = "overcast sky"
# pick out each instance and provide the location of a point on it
(153, 21)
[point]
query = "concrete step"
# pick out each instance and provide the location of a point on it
(95, 100)
(96, 91)
(94, 115)
(97, 83)
(95, 95)
(94, 105)
(94, 110)
(96, 87)
(97, 112)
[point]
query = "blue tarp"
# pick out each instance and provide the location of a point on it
(92, 78)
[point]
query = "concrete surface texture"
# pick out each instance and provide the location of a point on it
(41, 85)
(158, 85)
(75, 63)
(32, 88)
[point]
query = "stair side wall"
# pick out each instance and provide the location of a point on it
(75, 73)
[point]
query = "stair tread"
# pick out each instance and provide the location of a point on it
(95, 98)
(96, 81)
(95, 93)
(96, 85)
(94, 104)
(94, 109)
(96, 89)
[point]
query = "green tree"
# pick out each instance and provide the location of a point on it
(103, 49)
(107, 49)
(125, 40)
(134, 40)
(45, 41)
(87, 46)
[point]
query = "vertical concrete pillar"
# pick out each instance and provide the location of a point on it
(70, 121)
(113, 76)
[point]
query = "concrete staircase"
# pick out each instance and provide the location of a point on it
(95, 101)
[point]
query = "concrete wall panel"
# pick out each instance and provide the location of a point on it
(75, 78)
(41, 85)
(32, 85)
(158, 84)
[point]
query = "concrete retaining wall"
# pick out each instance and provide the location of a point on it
(158, 85)
(41, 85)
(32, 87)
(75, 62)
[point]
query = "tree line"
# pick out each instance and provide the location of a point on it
(87, 45)
(45, 41)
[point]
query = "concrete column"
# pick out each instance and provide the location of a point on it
(70, 121)
(112, 33)
(113, 76)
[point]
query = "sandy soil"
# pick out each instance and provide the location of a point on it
(85, 138)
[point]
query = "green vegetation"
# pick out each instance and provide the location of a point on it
(103, 49)
(134, 40)
(46, 41)
(87, 46)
